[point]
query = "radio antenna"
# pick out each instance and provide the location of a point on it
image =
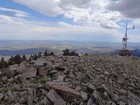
(124, 51)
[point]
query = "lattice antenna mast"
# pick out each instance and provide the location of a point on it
(125, 38)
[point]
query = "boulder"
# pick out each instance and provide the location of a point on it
(13, 69)
(61, 77)
(40, 62)
(4, 78)
(10, 80)
(114, 97)
(65, 92)
(84, 95)
(42, 71)
(30, 72)
(55, 98)
(122, 91)
(94, 99)
(29, 99)
(10, 95)
(22, 67)
(120, 79)
(91, 87)
(45, 101)
(1, 96)
(90, 102)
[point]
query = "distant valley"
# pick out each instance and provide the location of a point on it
(10, 48)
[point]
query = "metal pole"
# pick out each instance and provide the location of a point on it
(124, 50)
(126, 35)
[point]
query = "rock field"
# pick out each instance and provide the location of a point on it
(72, 80)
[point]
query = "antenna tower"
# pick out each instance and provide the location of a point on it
(124, 51)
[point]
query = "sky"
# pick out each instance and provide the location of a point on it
(73, 20)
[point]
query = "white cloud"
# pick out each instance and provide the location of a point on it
(68, 4)
(16, 12)
(11, 20)
(94, 13)
(92, 18)
(87, 12)
(46, 7)
(129, 8)
(24, 29)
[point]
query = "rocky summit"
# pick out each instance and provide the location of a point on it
(72, 80)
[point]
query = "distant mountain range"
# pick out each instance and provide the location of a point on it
(21, 52)
(10, 48)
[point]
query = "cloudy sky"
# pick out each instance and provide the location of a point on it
(82, 20)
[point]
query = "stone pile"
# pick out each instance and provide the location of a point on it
(72, 80)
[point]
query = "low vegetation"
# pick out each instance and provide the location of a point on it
(17, 59)
(66, 52)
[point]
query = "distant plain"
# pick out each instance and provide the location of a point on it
(13, 47)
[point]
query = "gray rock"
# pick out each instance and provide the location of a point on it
(110, 103)
(45, 101)
(98, 69)
(13, 69)
(84, 95)
(71, 75)
(66, 71)
(1, 96)
(67, 79)
(106, 73)
(22, 67)
(4, 78)
(120, 80)
(114, 97)
(95, 94)
(66, 92)
(134, 100)
(90, 102)
(122, 91)
(40, 62)
(53, 72)
(30, 72)
(91, 87)
(61, 77)
(105, 95)
(30, 100)
(44, 92)
(17, 104)
(78, 88)
(121, 103)
(94, 99)
(55, 98)
(22, 100)
(42, 71)
(10, 95)
(81, 103)
(104, 87)
(10, 80)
